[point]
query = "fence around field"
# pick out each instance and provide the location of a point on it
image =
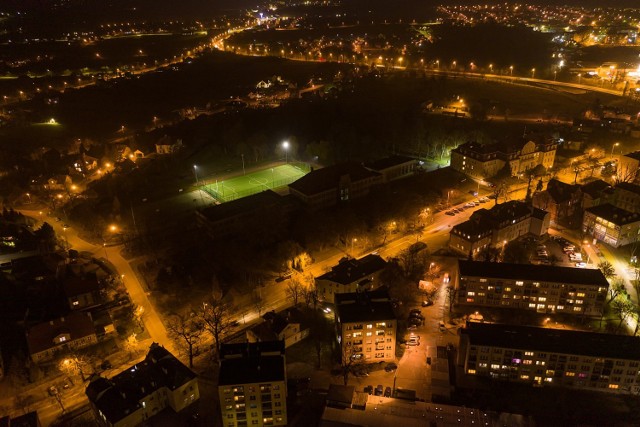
(224, 193)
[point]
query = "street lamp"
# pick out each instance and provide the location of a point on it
(612, 147)
(285, 145)
(352, 242)
(491, 68)
(195, 172)
(533, 72)
(511, 70)
(29, 196)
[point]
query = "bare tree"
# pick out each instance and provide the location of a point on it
(310, 295)
(320, 332)
(186, 330)
(216, 316)
(294, 290)
(258, 303)
(351, 360)
(452, 293)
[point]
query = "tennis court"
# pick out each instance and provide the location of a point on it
(255, 182)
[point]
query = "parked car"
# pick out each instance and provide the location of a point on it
(412, 327)
(414, 340)
(387, 392)
(415, 310)
(390, 367)
(450, 213)
(368, 389)
(446, 278)
(581, 264)
(52, 390)
(427, 303)
(379, 390)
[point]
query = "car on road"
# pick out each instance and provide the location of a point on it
(387, 392)
(413, 341)
(581, 264)
(412, 327)
(441, 325)
(427, 303)
(416, 316)
(284, 276)
(361, 374)
(450, 213)
(390, 367)
(379, 390)
(368, 389)
(53, 390)
(446, 278)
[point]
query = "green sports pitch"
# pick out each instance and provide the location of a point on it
(255, 182)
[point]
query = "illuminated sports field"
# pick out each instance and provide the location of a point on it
(255, 182)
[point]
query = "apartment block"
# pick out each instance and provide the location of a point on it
(143, 390)
(611, 225)
(539, 288)
(497, 226)
(252, 384)
(483, 161)
(366, 326)
(551, 357)
(353, 275)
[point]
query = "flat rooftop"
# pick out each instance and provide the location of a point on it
(553, 340)
(539, 273)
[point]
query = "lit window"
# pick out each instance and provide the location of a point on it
(570, 374)
(471, 371)
(519, 283)
(528, 353)
(613, 386)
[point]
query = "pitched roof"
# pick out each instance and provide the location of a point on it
(121, 395)
(367, 306)
(627, 186)
(252, 363)
(594, 188)
(539, 213)
(388, 162)
(553, 340)
(614, 214)
(40, 337)
(541, 273)
(634, 155)
(354, 269)
(561, 191)
(80, 285)
(320, 180)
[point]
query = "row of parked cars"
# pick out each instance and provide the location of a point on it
(468, 205)
(570, 250)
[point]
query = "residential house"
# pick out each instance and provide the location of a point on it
(69, 333)
(366, 326)
(538, 288)
(544, 357)
(393, 167)
(81, 292)
(497, 226)
(352, 275)
(595, 193)
(143, 390)
(58, 183)
(166, 145)
(482, 161)
(287, 326)
(326, 187)
(562, 201)
(252, 384)
(611, 225)
(626, 196)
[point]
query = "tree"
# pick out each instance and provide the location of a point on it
(351, 360)
(516, 252)
(75, 364)
(186, 330)
(616, 288)
(452, 293)
(294, 290)
(217, 319)
(310, 294)
(623, 308)
(607, 269)
(320, 332)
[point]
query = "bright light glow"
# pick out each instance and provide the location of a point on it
(285, 145)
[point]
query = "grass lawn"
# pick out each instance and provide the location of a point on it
(255, 182)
